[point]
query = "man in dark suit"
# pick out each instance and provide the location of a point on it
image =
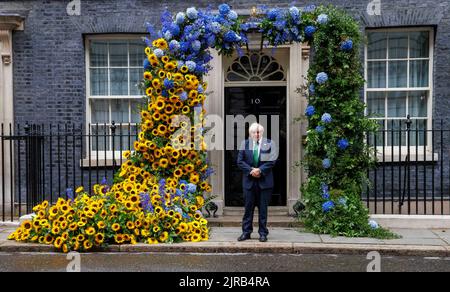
(257, 156)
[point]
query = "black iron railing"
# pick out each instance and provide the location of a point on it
(413, 168)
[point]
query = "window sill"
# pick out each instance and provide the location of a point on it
(101, 162)
(413, 157)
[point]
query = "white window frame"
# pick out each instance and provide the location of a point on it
(104, 160)
(394, 155)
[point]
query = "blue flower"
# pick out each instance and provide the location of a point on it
(326, 163)
(192, 13)
(343, 144)
(232, 15)
(320, 129)
(294, 12)
(168, 84)
(215, 27)
(324, 187)
(196, 45)
(312, 89)
(200, 89)
(191, 65)
(373, 224)
(280, 24)
(326, 118)
(104, 181)
(174, 46)
(327, 206)
(326, 196)
(342, 201)
(347, 45)
(310, 30)
(310, 110)
(322, 19)
(274, 14)
(159, 53)
(192, 188)
(146, 64)
(180, 18)
(224, 9)
(231, 37)
(322, 77)
(168, 35)
(310, 8)
(183, 96)
(69, 194)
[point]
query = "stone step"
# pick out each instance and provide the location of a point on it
(239, 211)
(236, 221)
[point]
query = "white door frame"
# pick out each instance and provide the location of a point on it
(297, 68)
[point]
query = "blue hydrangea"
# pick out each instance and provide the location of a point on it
(231, 37)
(69, 194)
(159, 53)
(168, 35)
(310, 110)
(146, 64)
(310, 30)
(191, 188)
(196, 45)
(373, 224)
(180, 18)
(224, 9)
(326, 118)
(326, 196)
(322, 18)
(280, 24)
(215, 27)
(200, 89)
(192, 13)
(310, 8)
(232, 15)
(347, 45)
(191, 65)
(294, 12)
(342, 201)
(174, 29)
(324, 187)
(327, 206)
(168, 84)
(174, 46)
(343, 144)
(322, 77)
(180, 64)
(326, 163)
(274, 14)
(320, 129)
(183, 96)
(312, 89)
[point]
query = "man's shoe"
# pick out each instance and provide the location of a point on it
(263, 238)
(244, 237)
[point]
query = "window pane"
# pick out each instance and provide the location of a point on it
(377, 45)
(99, 81)
(137, 54)
(118, 54)
(398, 45)
(419, 44)
(375, 104)
(119, 110)
(378, 135)
(418, 132)
(98, 54)
(100, 138)
(418, 73)
(396, 134)
(136, 106)
(100, 111)
(135, 79)
(418, 101)
(119, 81)
(397, 74)
(396, 102)
(376, 72)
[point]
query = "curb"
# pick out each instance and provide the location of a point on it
(253, 247)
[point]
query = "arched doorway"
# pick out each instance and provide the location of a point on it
(256, 84)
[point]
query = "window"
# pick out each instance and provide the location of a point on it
(399, 83)
(114, 71)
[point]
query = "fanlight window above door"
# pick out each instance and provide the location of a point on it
(255, 67)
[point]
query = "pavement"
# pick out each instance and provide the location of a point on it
(282, 240)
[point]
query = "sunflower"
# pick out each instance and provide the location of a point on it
(87, 245)
(79, 190)
(134, 199)
(48, 239)
(156, 83)
(197, 216)
(165, 59)
(160, 104)
(115, 227)
(81, 238)
(27, 225)
(149, 91)
(163, 162)
(99, 238)
(169, 66)
(195, 237)
(130, 225)
(148, 75)
(164, 236)
(184, 69)
(58, 242)
(185, 110)
(162, 44)
(90, 231)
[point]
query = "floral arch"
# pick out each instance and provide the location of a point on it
(160, 190)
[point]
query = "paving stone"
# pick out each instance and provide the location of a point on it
(417, 241)
(415, 233)
(340, 239)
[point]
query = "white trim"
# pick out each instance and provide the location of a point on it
(387, 89)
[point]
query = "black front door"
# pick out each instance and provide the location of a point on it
(257, 101)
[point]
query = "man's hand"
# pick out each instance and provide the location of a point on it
(256, 172)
